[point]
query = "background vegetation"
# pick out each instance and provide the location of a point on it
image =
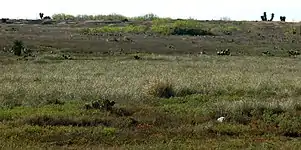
(167, 94)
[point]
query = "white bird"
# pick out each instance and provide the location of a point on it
(221, 119)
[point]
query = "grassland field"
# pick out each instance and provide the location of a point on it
(169, 87)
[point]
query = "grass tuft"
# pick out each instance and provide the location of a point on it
(159, 88)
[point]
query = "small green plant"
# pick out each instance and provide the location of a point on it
(17, 48)
(109, 131)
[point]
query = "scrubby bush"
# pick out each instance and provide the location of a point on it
(17, 48)
(159, 88)
(158, 26)
(190, 31)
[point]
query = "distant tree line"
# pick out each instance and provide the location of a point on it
(109, 17)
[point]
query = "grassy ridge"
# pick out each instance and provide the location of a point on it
(44, 103)
(168, 27)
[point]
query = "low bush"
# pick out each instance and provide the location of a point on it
(159, 88)
(17, 48)
(158, 26)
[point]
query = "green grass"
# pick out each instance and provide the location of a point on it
(166, 27)
(161, 101)
(42, 104)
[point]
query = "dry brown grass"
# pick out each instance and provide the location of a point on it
(158, 87)
(257, 95)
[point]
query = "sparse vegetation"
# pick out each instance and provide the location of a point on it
(141, 83)
(158, 26)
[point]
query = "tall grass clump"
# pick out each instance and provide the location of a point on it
(159, 88)
(18, 46)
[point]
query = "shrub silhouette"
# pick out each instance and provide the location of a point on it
(17, 48)
(264, 17)
(4, 20)
(41, 15)
(282, 18)
(272, 17)
(47, 17)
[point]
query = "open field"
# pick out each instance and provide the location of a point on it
(169, 98)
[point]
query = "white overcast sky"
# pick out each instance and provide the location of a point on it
(198, 9)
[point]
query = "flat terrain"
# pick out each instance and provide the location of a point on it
(169, 98)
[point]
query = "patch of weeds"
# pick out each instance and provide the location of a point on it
(12, 29)
(105, 105)
(122, 112)
(243, 112)
(159, 88)
(297, 107)
(46, 120)
(185, 92)
(52, 57)
(14, 98)
(11, 103)
(54, 102)
(229, 129)
(190, 31)
(109, 131)
(126, 122)
(5, 116)
(290, 125)
(41, 62)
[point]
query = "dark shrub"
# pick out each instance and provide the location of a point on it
(17, 48)
(190, 31)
